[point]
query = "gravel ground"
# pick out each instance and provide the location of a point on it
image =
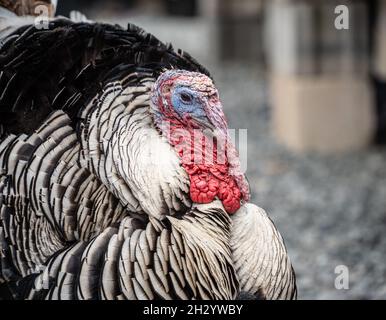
(330, 210)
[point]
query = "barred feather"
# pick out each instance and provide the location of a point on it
(94, 202)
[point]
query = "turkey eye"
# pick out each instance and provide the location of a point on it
(186, 98)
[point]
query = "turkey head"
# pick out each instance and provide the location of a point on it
(188, 112)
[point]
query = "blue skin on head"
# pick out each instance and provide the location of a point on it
(186, 101)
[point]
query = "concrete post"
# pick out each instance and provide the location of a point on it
(321, 95)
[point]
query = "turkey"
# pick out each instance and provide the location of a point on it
(106, 191)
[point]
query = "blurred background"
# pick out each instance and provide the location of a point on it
(313, 98)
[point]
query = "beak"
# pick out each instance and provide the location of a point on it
(204, 122)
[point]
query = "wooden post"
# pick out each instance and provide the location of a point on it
(239, 27)
(379, 72)
(187, 8)
(27, 7)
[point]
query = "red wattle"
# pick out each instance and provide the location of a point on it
(205, 186)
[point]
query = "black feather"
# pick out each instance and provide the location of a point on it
(65, 66)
